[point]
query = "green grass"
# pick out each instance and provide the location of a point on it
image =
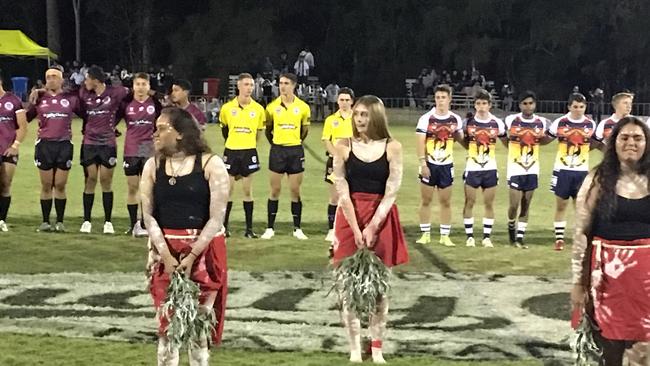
(89, 253)
(19, 350)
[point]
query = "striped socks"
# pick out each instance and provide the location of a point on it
(560, 226)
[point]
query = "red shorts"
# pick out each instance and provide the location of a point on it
(210, 272)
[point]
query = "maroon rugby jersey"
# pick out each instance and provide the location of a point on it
(55, 113)
(198, 115)
(9, 105)
(140, 118)
(101, 114)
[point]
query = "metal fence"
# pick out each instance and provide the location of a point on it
(408, 110)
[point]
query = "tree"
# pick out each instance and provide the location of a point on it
(76, 7)
(53, 28)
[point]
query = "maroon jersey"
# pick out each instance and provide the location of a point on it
(9, 105)
(198, 115)
(140, 118)
(55, 114)
(101, 114)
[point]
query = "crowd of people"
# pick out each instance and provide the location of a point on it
(183, 190)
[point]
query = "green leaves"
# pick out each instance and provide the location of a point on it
(585, 346)
(187, 325)
(361, 280)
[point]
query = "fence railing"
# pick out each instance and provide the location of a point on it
(410, 109)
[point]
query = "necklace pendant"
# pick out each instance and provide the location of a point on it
(172, 181)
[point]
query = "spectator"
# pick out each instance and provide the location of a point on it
(77, 78)
(84, 69)
(309, 58)
(507, 94)
(319, 102)
(267, 68)
(160, 80)
(284, 63)
(267, 91)
(301, 68)
(258, 87)
(332, 92)
(598, 100)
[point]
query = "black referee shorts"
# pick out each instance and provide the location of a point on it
(241, 162)
(287, 159)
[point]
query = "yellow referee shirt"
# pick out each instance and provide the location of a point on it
(242, 123)
(337, 127)
(287, 120)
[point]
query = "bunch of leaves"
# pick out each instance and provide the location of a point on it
(584, 345)
(187, 324)
(361, 280)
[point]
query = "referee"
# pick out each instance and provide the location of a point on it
(287, 126)
(336, 127)
(241, 120)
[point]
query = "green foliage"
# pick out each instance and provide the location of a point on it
(187, 324)
(584, 345)
(361, 280)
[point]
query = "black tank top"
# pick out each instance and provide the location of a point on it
(630, 221)
(367, 177)
(184, 205)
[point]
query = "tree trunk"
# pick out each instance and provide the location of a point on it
(53, 29)
(147, 9)
(77, 29)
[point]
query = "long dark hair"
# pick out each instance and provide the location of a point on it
(192, 142)
(609, 170)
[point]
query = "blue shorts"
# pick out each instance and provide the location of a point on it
(442, 176)
(566, 183)
(483, 179)
(525, 183)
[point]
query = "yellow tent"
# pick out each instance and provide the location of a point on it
(16, 43)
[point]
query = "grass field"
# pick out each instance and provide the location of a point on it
(26, 251)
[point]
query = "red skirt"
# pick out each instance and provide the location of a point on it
(620, 287)
(390, 246)
(210, 272)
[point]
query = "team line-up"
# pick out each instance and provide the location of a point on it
(285, 123)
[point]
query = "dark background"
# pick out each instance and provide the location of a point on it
(546, 45)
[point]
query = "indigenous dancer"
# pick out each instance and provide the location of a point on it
(368, 174)
(184, 191)
(13, 128)
(611, 250)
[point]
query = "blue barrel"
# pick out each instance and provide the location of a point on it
(20, 86)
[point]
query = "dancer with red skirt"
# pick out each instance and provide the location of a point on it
(184, 192)
(368, 174)
(611, 250)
